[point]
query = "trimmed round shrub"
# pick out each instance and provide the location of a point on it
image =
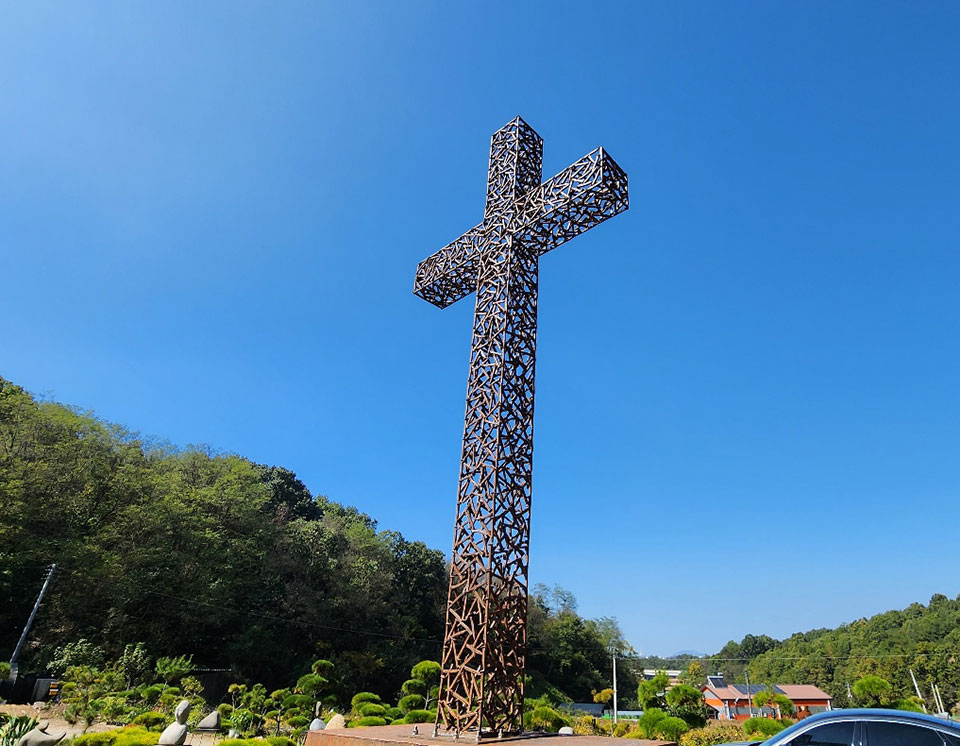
(414, 686)
(647, 723)
(155, 721)
(397, 721)
(225, 710)
(425, 671)
(96, 739)
(418, 716)
(393, 713)
(372, 709)
(298, 721)
(300, 701)
(135, 737)
(671, 728)
(763, 726)
(369, 721)
(411, 702)
(280, 741)
(151, 694)
(360, 697)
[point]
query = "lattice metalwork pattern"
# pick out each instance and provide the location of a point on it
(481, 686)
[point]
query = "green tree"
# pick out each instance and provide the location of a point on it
(424, 677)
(603, 697)
(694, 675)
(81, 653)
(686, 702)
(779, 702)
(872, 691)
(171, 669)
(134, 664)
(651, 693)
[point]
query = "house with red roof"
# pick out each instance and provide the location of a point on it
(735, 701)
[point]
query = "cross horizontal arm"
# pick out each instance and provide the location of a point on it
(451, 273)
(581, 196)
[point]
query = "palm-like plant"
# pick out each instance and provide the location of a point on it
(12, 729)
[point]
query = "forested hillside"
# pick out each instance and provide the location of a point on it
(923, 638)
(198, 553)
(235, 563)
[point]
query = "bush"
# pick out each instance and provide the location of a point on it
(155, 721)
(151, 694)
(127, 737)
(369, 721)
(225, 710)
(418, 716)
(298, 701)
(414, 686)
(280, 741)
(648, 722)
(298, 721)
(621, 729)
(95, 739)
(544, 718)
(710, 736)
(372, 709)
(913, 705)
(585, 725)
(671, 728)
(13, 728)
(763, 726)
(393, 713)
(426, 671)
(411, 702)
(360, 697)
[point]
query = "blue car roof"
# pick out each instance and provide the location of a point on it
(873, 714)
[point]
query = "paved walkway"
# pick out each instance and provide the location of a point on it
(402, 735)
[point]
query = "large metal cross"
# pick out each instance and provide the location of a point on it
(484, 648)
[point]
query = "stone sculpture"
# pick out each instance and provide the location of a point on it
(210, 722)
(39, 736)
(176, 733)
(337, 721)
(317, 722)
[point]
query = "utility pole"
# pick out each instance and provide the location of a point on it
(941, 710)
(614, 688)
(14, 663)
(746, 676)
(917, 689)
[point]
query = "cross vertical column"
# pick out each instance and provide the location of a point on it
(481, 685)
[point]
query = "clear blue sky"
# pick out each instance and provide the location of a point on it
(748, 416)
